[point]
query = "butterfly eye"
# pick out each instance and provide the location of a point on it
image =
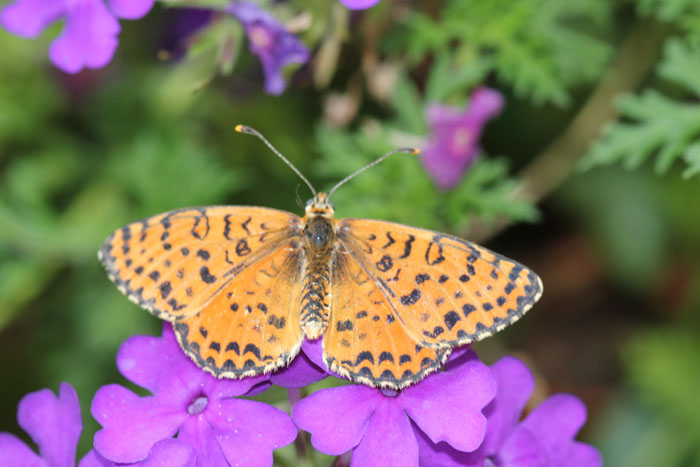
(308, 203)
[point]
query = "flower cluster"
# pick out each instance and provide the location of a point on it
(468, 414)
(90, 32)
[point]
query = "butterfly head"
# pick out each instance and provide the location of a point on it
(319, 206)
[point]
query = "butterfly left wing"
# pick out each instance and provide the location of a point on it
(252, 325)
(445, 291)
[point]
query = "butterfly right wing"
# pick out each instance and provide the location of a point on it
(364, 340)
(175, 263)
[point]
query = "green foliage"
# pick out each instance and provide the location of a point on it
(662, 365)
(530, 45)
(654, 124)
(684, 13)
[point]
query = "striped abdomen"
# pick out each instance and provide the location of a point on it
(315, 302)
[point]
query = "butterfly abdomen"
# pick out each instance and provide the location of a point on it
(315, 302)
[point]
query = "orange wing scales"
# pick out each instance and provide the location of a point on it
(252, 325)
(173, 264)
(364, 340)
(445, 291)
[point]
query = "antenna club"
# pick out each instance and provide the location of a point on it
(415, 151)
(239, 128)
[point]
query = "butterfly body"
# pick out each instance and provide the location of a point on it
(243, 286)
(319, 233)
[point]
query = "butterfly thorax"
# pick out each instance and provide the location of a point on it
(319, 239)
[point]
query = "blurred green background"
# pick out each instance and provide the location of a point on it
(589, 176)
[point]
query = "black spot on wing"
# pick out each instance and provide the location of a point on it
(206, 275)
(411, 298)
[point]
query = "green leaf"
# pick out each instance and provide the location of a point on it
(653, 124)
(692, 158)
(683, 13)
(539, 47)
(448, 76)
(487, 193)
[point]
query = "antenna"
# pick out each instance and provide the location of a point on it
(250, 131)
(414, 151)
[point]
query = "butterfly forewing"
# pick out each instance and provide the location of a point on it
(446, 291)
(365, 340)
(252, 325)
(175, 263)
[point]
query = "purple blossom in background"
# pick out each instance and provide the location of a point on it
(53, 423)
(545, 437)
(455, 134)
(270, 41)
(359, 4)
(201, 409)
(89, 36)
(380, 425)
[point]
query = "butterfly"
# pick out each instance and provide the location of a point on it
(244, 286)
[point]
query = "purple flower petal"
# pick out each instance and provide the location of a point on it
(53, 423)
(17, 454)
(455, 134)
(581, 455)
(131, 9)
(132, 424)
(515, 384)
(523, 449)
(198, 433)
(300, 372)
(389, 439)
(336, 417)
(256, 429)
(270, 41)
(166, 453)
(439, 407)
(314, 350)
(358, 4)
(444, 455)
(555, 423)
(27, 18)
(88, 39)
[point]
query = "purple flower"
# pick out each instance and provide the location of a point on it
(358, 4)
(170, 452)
(455, 135)
(89, 36)
(53, 423)
(202, 410)
(380, 425)
(271, 42)
(544, 437)
(305, 369)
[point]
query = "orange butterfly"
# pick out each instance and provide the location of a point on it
(243, 286)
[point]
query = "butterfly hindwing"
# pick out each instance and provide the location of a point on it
(446, 291)
(364, 340)
(252, 325)
(174, 263)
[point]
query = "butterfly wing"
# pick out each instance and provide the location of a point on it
(445, 291)
(175, 263)
(252, 325)
(364, 340)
